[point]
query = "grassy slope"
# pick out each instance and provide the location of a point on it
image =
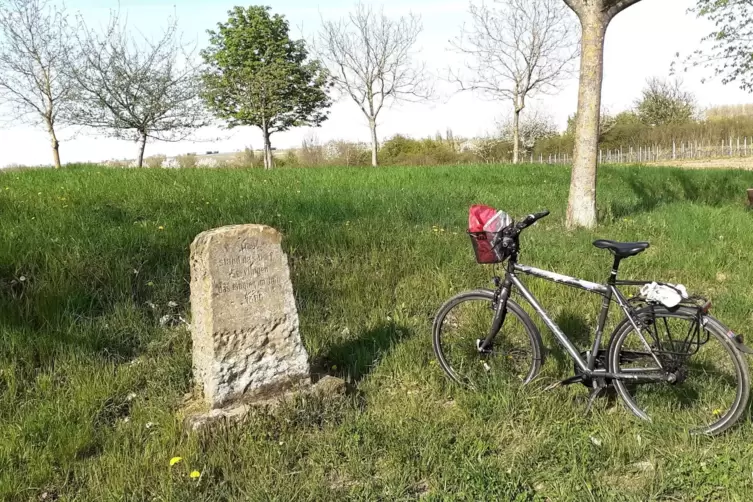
(374, 253)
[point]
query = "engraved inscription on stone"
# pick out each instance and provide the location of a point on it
(246, 340)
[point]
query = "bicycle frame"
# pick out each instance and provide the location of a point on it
(608, 291)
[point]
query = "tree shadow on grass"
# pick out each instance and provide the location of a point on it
(68, 291)
(355, 357)
(92, 313)
(665, 186)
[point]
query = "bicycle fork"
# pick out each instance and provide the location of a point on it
(502, 294)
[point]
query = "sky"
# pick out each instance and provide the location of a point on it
(641, 42)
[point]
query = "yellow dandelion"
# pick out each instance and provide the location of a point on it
(195, 474)
(175, 460)
(160, 227)
(717, 412)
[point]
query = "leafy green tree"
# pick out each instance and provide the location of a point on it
(257, 76)
(728, 50)
(664, 102)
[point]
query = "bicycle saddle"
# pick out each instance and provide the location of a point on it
(622, 249)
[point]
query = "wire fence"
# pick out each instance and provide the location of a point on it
(740, 147)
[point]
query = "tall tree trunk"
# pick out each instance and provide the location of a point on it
(55, 146)
(142, 147)
(516, 135)
(581, 207)
(269, 161)
(374, 142)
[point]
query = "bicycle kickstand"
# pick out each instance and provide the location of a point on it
(595, 392)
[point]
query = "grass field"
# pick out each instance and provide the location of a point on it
(91, 383)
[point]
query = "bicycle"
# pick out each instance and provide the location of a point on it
(655, 374)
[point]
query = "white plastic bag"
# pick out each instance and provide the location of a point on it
(669, 295)
(498, 222)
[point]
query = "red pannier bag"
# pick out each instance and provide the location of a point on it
(478, 215)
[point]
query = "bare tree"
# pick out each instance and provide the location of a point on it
(595, 16)
(135, 88)
(371, 59)
(33, 45)
(516, 50)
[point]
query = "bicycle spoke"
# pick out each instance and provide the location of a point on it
(512, 356)
(705, 386)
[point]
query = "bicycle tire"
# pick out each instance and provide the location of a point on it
(716, 332)
(485, 298)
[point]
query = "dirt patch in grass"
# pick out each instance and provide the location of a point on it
(745, 163)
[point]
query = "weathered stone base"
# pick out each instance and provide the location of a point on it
(198, 418)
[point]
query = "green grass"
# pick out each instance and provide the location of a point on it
(373, 253)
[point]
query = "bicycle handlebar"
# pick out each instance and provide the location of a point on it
(531, 219)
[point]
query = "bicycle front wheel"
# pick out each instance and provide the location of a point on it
(711, 382)
(464, 321)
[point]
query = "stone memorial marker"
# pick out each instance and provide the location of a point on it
(246, 341)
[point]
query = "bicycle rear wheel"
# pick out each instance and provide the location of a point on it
(465, 320)
(712, 384)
